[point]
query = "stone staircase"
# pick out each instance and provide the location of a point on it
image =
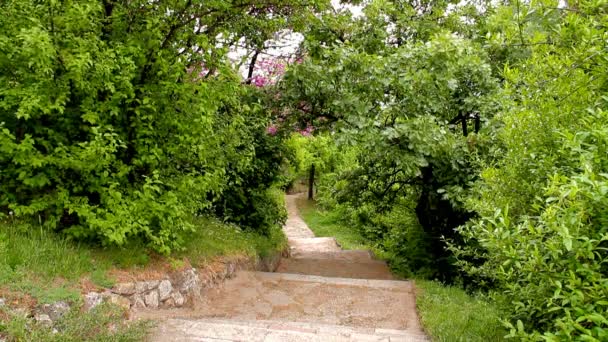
(324, 257)
(320, 293)
(234, 330)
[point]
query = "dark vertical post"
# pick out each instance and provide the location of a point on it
(311, 181)
(465, 131)
(477, 123)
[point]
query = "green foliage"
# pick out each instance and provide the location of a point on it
(328, 224)
(541, 200)
(219, 239)
(320, 150)
(397, 114)
(249, 199)
(121, 120)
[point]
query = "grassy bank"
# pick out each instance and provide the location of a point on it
(105, 323)
(324, 224)
(447, 313)
(39, 267)
(31, 259)
(450, 314)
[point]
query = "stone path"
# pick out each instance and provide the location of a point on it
(320, 293)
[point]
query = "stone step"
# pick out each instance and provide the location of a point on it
(322, 244)
(275, 278)
(363, 303)
(367, 269)
(346, 255)
(243, 330)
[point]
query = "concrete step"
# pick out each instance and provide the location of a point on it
(363, 303)
(366, 269)
(244, 330)
(295, 227)
(322, 244)
(346, 255)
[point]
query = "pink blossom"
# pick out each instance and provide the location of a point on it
(272, 130)
(259, 81)
(269, 71)
(307, 131)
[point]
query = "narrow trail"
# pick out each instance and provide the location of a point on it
(320, 293)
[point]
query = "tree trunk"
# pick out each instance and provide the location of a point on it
(311, 182)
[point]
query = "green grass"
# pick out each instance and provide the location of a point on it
(217, 239)
(447, 313)
(104, 323)
(49, 268)
(326, 224)
(450, 314)
(43, 267)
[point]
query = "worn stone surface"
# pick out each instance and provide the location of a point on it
(152, 284)
(164, 289)
(168, 303)
(145, 286)
(151, 299)
(91, 300)
(2, 302)
(188, 281)
(385, 304)
(295, 227)
(371, 269)
(320, 244)
(264, 331)
(137, 301)
(178, 299)
(125, 289)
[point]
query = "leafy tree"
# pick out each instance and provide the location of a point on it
(120, 120)
(405, 113)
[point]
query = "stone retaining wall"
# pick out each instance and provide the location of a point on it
(176, 289)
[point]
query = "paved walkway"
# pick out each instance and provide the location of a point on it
(295, 227)
(320, 293)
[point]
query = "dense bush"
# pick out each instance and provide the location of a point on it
(120, 120)
(542, 198)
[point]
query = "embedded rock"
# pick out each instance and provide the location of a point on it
(91, 300)
(164, 290)
(125, 289)
(44, 320)
(55, 310)
(151, 299)
(137, 300)
(188, 281)
(178, 299)
(117, 300)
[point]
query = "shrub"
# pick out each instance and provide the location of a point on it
(120, 120)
